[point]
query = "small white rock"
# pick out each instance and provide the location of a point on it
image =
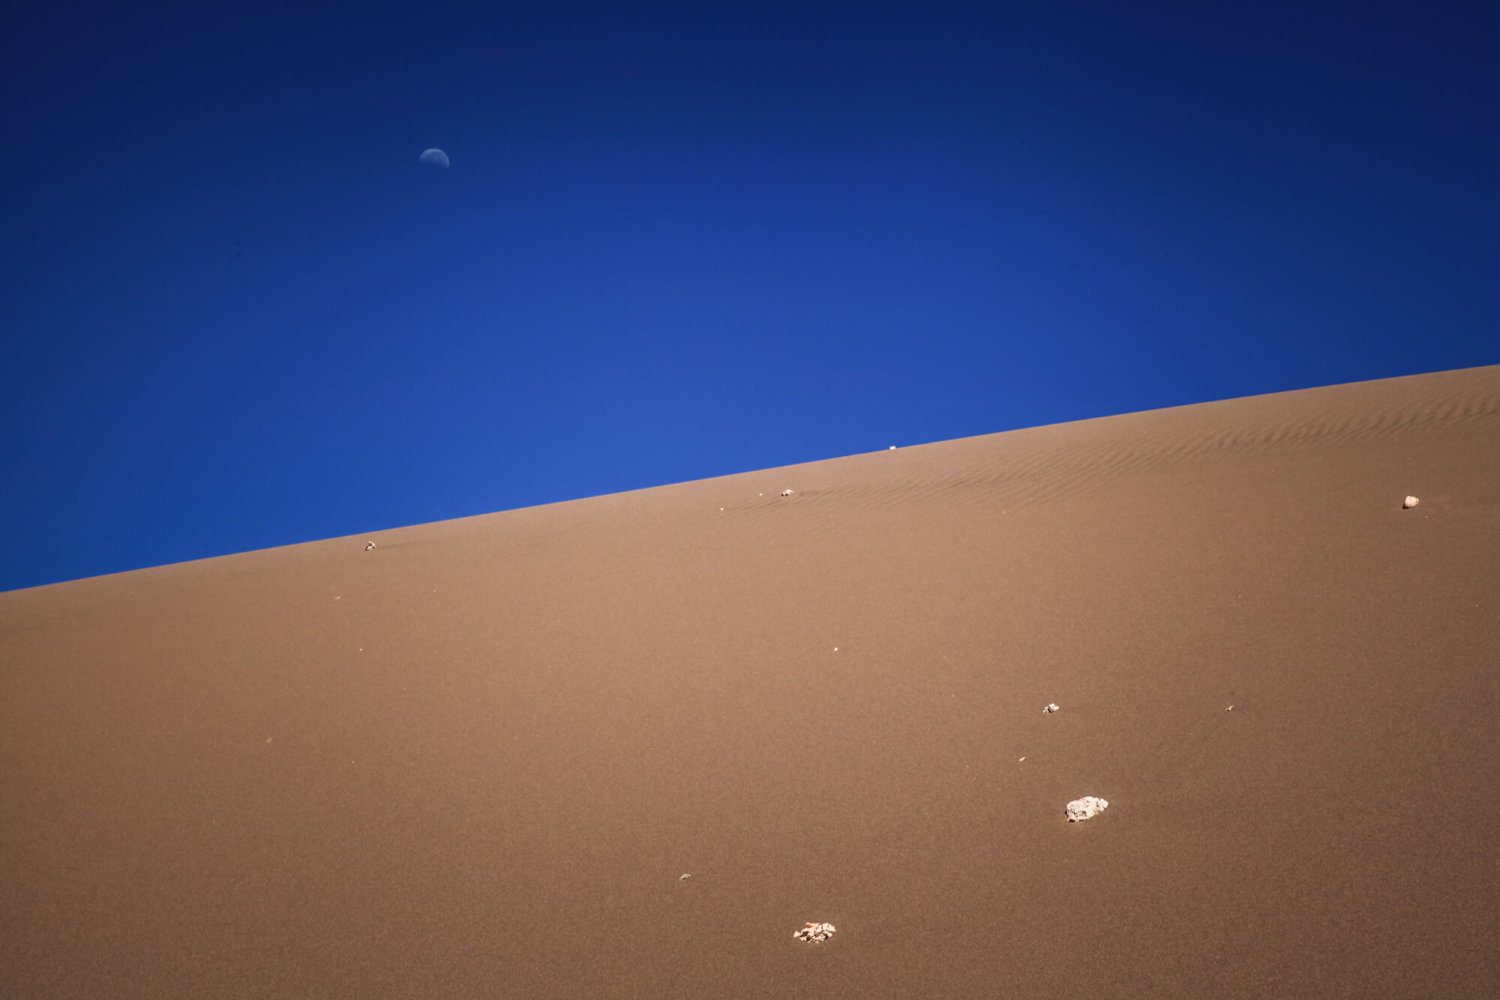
(369, 546)
(1085, 808)
(1051, 708)
(786, 493)
(1409, 503)
(815, 933)
(684, 876)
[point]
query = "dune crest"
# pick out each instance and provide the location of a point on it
(624, 746)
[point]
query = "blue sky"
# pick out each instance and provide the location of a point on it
(687, 240)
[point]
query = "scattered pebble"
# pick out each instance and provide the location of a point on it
(369, 546)
(815, 933)
(684, 876)
(1085, 808)
(1051, 708)
(1409, 503)
(786, 493)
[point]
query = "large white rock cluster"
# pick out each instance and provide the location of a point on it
(1086, 808)
(815, 933)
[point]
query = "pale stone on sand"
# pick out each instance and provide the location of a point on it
(1085, 808)
(1051, 708)
(1409, 503)
(815, 933)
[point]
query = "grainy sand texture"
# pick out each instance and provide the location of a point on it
(477, 759)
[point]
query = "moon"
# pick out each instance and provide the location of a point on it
(436, 157)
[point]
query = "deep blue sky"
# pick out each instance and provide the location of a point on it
(685, 240)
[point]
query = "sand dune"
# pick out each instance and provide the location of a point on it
(476, 760)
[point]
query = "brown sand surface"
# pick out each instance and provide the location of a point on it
(475, 760)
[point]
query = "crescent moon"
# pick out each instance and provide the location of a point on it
(436, 157)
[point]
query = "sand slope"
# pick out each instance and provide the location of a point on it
(474, 761)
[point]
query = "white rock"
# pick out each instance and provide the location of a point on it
(786, 493)
(1085, 808)
(369, 546)
(815, 933)
(1409, 503)
(1051, 708)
